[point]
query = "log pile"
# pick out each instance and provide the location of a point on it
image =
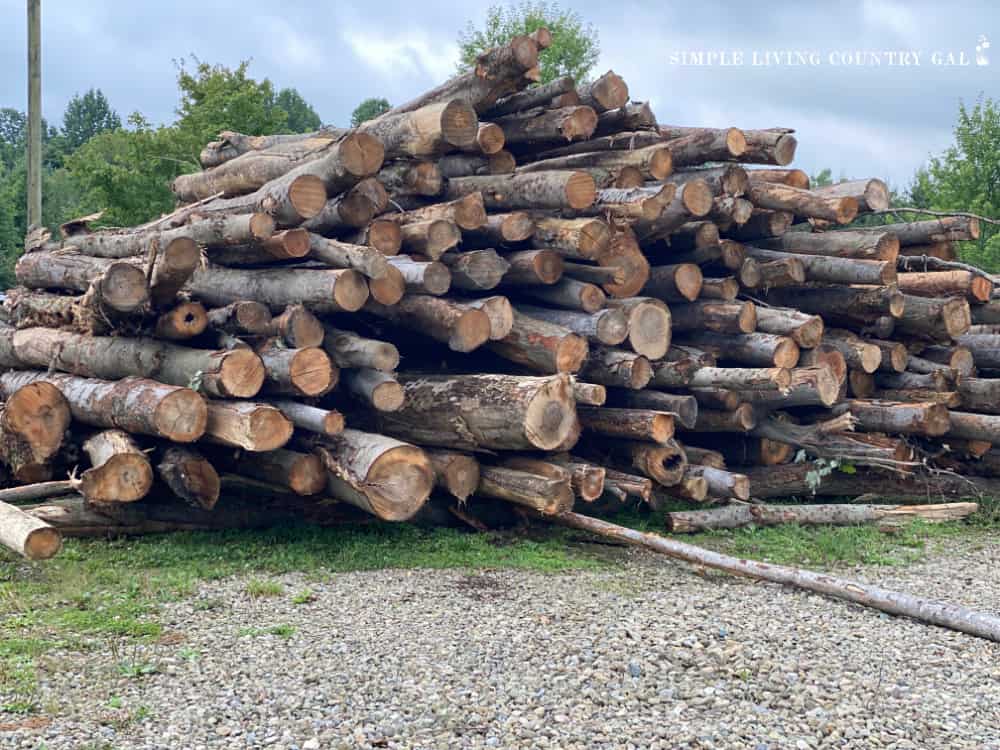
(500, 295)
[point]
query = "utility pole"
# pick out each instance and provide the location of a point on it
(34, 112)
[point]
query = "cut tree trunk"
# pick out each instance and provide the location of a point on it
(249, 425)
(743, 379)
(590, 394)
(871, 194)
(683, 407)
(608, 327)
(804, 330)
(430, 130)
(541, 346)
(33, 421)
(881, 245)
(462, 329)
(348, 349)
(311, 418)
(476, 270)
(721, 483)
(242, 318)
(537, 190)
(190, 477)
(634, 424)
(570, 294)
(944, 229)
(549, 496)
(897, 418)
(985, 427)
(27, 535)
(582, 238)
(722, 290)
(302, 473)
(298, 372)
(492, 412)
(120, 472)
(117, 286)
(674, 283)
(431, 238)
(773, 146)
(467, 212)
(966, 284)
(533, 268)
(538, 127)
(501, 229)
(777, 197)
(652, 162)
(405, 178)
(378, 389)
(649, 325)
(297, 328)
(858, 353)
(431, 277)
(833, 269)
(131, 404)
(606, 92)
(183, 322)
(810, 386)
(720, 317)
(934, 319)
(536, 96)
(609, 366)
(456, 473)
(319, 290)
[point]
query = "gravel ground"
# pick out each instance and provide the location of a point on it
(649, 655)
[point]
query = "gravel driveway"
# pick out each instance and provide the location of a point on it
(648, 655)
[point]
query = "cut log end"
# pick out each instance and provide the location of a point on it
(262, 226)
(786, 353)
(311, 372)
(613, 328)
(399, 482)
(241, 374)
(736, 142)
(38, 413)
(388, 396)
(697, 197)
(784, 150)
(389, 288)
(581, 190)
(181, 416)
(185, 321)
(361, 154)
(550, 417)
(123, 478)
(124, 287)
(307, 195)
(570, 353)
(385, 236)
(472, 330)
(351, 291)
(459, 124)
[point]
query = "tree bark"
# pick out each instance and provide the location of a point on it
(608, 327)
(985, 427)
(432, 277)
(834, 270)
(320, 290)
(721, 290)
(311, 418)
(430, 130)
(476, 270)
(810, 386)
(591, 394)
(777, 197)
(674, 283)
(743, 379)
(501, 229)
(897, 418)
(463, 329)
(772, 146)
(720, 317)
(405, 178)
(943, 229)
(966, 284)
(539, 127)
(581, 238)
(858, 353)
(609, 366)
(544, 494)
(533, 268)
(684, 408)
(804, 330)
(874, 245)
(570, 294)
(378, 389)
(384, 236)
(350, 210)
(348, 349)
(871, 194)
(131, 404)
(536, 96)
(536, 190)
(633, 424)
(934, 319)
(653, 162)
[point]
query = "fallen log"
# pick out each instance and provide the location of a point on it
(28, 536)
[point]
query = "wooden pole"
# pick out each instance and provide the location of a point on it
(945, 615)
(34, 112)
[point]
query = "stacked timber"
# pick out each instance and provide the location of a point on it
(500, 295)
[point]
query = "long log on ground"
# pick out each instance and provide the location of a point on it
(383, 476)
(537, 190)
(131, 404)
(839, 514)
(320, 290)
(475, 412)
(27, 535)
(461, 328)
(225, 374)
(944, 615)
(120, 472)
(190, 477)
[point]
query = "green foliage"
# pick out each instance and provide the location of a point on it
(302, 118)
(86, 116)
(369, 109)
(575, 46)
(258, 589)
(823, 179)
(966, 177)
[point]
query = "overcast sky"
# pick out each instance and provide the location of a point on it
(860, 120)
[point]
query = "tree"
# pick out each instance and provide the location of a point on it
(369, 109)
(302, 118)
(86, 116)
(575, 46)
(823, 178)
(966, 177)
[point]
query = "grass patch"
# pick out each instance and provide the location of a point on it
(305, 596)
(258, 589)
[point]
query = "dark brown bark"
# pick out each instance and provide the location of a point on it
(464, 330)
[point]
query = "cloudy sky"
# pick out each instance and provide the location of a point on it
(864, 119)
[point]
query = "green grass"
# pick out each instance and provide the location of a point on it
(258, 589)
(282, 631)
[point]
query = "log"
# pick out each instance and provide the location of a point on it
(455, 473)
(462, 329)
(581, 238)
(608, 327)
(390, 288)
(861, 384)
(934, 319)
(605, 92)
(871, 194)
(476, 270)
(719, 253)
(837, 304)
(541, 346)
(432, 277)
(476, 412)
(794, 177)
(876, 245)
(500, 313)
(536, 96)
(897, 417)
(431, 238)
(302, 473)
(298, 372)
(987, 314)
(320, 290)
(704, 457)
(935, 381)
(609, 366)
(190, 477)
(244, 318)
(772, 146)
(537, 190)
(721, 483)
(591, 394)
(376, 388)
(754, 349)
(728, 211)
(225, 374)
(692, 200)
(382, 476)
(937, 250)
(649, 325)
(720, 317)
(33, 421)
(340, 163)
(252, 426)
(119, 473)
(117, 286)
(692, 488)
(845, 514)
(547, 495)
(973, 287)
(980, 394)
(761, 225)
(858, 354)
(985, 427)
(311, 418)
(533, 268)
(430, 130)
(297, 328)
(739, 450)
(985, 350)
(536, 127)
(810, 386)
(620, 140)
(135, 405)
(664, 464)
(652, 162)
(185, 321)
(586, 479)
(829, 440)
(28, 536)
(675, 283)
(294, 197)
(895, 356)
(351, 210)
(743, 379)
(944, 229)
(631, 485)
(924, 610)
(467, 213)
(957, 358)
(740, 419)
(25, 308)
(348, 349)
(683, 408)
(672, 374)
(633, 116)
(637, 203)
(805, 330)
(717, 399)
(633, 424)
(570, 294)
(501, 229)
(833, 269)
(412, 178)
(723, 290)
(779, 197)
